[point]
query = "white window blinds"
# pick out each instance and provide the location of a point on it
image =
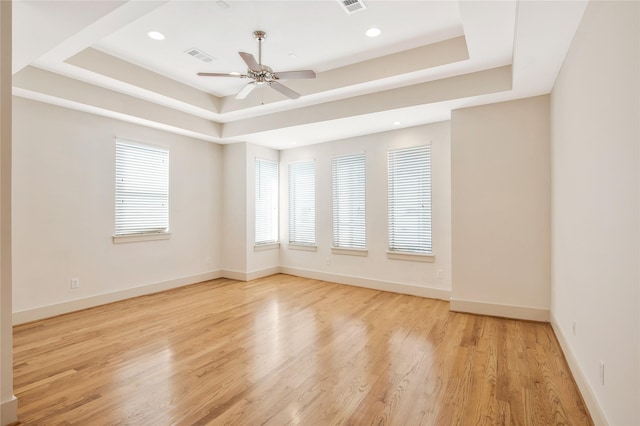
(266, 202)
(410, 200)
(142, 189)
(302, 203)
(349, 215)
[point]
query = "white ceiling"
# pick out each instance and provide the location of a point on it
(432, 57)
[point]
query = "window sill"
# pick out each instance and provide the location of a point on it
(414, 257)
(267, 246)
(303, 247)
(120, 239)
(350, 251)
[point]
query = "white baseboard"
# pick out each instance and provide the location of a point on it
(9, 411)
(254, 275)
(496, 310)
(35, 314)
(234, 275)
(248, 276)
(432, 293)
(597, 415)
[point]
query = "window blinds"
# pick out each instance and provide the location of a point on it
(409, 192)
(349, 215)
(142, 189)
(266, 220)
(302, 208)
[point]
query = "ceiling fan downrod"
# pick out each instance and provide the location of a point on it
(259, 36)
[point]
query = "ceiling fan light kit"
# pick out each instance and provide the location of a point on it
(262, 74)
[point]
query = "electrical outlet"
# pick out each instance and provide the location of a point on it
(602, 373)
(440, 274)
(327, 261)
(75, 283)
(209, 260)
(573, 328)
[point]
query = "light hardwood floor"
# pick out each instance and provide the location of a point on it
(288, 350)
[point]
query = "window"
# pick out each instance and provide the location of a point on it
(302, 200)
(266, 202)
(349, 217)
(142, 189)
(410, 200)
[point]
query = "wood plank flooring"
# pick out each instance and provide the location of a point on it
(288, 350)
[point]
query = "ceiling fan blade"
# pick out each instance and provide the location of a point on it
(288, 75)
(284, 90)
(220, 74)
(246, 90)
(250, 61)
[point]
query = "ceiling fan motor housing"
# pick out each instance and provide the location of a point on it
(264, 76)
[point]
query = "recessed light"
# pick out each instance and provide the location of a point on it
(292, 55)
(156, 35)
(373, 32)
(396, 123)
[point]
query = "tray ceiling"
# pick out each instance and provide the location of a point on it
(431, 57)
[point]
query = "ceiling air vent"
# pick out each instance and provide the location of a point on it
(352, 5)
(197, 53)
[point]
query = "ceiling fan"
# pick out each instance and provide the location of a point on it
(262, 74)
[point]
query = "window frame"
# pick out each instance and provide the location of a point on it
(400, 247)
(152, 232)
(344, 168)
(274, 243)
(299, 243)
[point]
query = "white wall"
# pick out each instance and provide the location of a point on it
(234, 210)
(595, 135)
(63, 194)
(375, 270)
(500, 162)
(63, 188)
